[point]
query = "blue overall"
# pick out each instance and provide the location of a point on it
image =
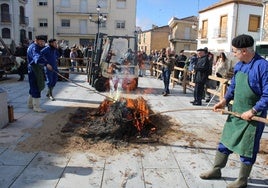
(35, 70)
(51, 55)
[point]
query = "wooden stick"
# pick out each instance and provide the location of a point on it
(254, 118)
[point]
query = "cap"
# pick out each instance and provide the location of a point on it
(243, 41)
(40, 37)
(51, 40)
(203, 49)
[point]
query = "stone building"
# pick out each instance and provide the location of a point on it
(68, 20)
(183, 33)
(153, 39)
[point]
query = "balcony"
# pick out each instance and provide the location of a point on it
(77, 9)
(71, 31)
(202, 36)
(173, 38)
(23, 1)
(220, 34)
(5, 18)
(24, 20)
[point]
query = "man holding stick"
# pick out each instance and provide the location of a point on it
(249, 90)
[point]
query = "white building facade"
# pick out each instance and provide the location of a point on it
(221, 22)
(68, 20)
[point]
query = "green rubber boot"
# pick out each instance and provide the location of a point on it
(242, 180)
(219, 163)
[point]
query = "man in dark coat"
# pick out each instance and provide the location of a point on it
(201, 71)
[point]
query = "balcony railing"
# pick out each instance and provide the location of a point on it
(23, 1)
(173, 37)
(5, 18)
(71, 31)
(220, 33)
(77, 9)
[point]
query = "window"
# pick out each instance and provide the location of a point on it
(42, 2)
(254, 23)
(65, 3)
(121, 3)
(103, 24)
(103, 3)
(65, 23)
(186, 47)
(223, 26)
(204, 31)
(120, 24)
(43, 22)
(187, 34)
(6, 33)
(5, 14)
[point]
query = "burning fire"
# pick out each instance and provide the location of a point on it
(134, 111)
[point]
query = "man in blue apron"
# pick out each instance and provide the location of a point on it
(249, 91)
(36, 75)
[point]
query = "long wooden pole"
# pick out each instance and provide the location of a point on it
(222, 111)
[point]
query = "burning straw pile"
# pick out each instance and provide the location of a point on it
(123, 120)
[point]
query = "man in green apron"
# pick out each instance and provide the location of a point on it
(249, 91)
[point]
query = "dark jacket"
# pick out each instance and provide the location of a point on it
(201, 70)
(168, 63)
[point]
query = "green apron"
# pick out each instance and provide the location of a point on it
(39, 76)
(238, 134)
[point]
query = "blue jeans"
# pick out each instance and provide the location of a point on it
(166, 79)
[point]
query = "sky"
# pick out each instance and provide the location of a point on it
(159, 12)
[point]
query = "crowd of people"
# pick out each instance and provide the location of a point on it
(199, 66)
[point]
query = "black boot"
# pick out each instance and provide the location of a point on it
(21, 77)
(49, 94)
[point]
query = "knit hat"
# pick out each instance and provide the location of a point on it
(243, 41)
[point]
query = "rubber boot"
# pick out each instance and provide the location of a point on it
(21, 77)
(219, 163)
(30, 102)
(36, 105)
(242, 180)
(49, 94)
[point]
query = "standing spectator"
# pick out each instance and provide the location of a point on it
(80, 61)
(36, 72)
(66, 55)
(51, 54)
(249, 90)
(201, 71)
(150, 58)
(141, 63)
(21, 53)
(221, 66)
(192, 62)
(73, 56)
(180, 62)
(209, 83)
(168, 66)
(144, 63)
